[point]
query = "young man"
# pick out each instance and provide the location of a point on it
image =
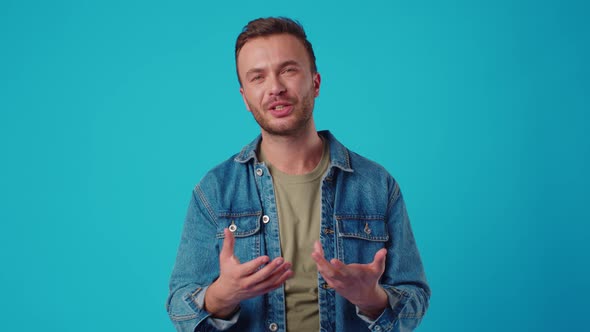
(296, 232)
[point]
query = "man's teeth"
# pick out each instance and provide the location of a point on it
(278, 108)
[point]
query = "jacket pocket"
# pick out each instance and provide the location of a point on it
(360, 237)
(245, 227)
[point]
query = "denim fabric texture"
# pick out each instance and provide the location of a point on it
(363, 210)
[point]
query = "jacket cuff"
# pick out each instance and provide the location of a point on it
(218, 323)
(187, 311)
(386, 321)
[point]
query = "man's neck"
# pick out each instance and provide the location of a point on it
(296, 154)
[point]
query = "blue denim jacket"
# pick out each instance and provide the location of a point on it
(363, 210)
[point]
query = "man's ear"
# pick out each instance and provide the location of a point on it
(244, 99)
(317, 80)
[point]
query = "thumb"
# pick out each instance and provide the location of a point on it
(227, 250)
(379, 260)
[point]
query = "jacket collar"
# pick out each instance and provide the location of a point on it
(339, 154)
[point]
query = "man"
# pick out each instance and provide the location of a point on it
(294, 233)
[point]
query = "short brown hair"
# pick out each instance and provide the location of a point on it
(262, 27)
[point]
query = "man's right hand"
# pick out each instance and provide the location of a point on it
(238, 282)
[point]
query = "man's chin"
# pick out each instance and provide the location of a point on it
(284, 131)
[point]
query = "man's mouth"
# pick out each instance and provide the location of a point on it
(281, 109)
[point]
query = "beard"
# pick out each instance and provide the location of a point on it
(290, 125)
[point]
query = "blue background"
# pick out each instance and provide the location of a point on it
(110, 113)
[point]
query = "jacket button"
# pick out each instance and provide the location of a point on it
(265, 219)
(259, 171)
(273, 327)
(232, 228)
(367, 229)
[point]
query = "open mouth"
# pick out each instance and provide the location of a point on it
(281, 110)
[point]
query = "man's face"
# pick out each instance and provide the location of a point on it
(278, 86)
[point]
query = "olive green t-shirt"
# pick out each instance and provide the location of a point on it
(299, 207)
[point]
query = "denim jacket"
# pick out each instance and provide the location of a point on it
(363, 210)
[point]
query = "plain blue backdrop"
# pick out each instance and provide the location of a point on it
(111, 111)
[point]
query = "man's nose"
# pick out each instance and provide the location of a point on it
(276, 86)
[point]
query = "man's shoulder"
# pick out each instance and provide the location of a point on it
(355, 164)
(364, 164)
(223, 170)
(234, 166)
(369, 172)
(229, 186)
(367, 188)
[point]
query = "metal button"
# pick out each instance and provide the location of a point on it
(273, 327)
(232, 228)
(259, 171)
(265, 219)
(367, 229)
(377, 328)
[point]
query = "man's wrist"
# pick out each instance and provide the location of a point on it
(219, 306)
(374, 308)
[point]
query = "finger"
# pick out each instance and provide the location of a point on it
(318, 248)
(251, 266)
(227, 250)
(327, 270)
(276, 275)
(337, 264)
(324, 268)
(283, 277)
(318, 253)
(280, 279)
(319, 258)
(267, 277)
(379, 260)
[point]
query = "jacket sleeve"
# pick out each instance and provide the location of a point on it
(196, 267)
(404, 279)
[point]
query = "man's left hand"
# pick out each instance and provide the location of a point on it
(358, 283)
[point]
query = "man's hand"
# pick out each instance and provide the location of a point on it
(238, 282)
(358, 283)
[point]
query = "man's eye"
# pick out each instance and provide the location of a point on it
(256, 78)
(290, 70)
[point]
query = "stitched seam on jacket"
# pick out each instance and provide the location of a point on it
(394, 196)
(206, 203)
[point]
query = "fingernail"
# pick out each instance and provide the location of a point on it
(280, 261)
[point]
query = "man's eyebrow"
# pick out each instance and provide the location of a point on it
(281, 65)
(254, 71)
(289, 63)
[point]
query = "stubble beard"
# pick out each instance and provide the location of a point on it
(298, 120)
